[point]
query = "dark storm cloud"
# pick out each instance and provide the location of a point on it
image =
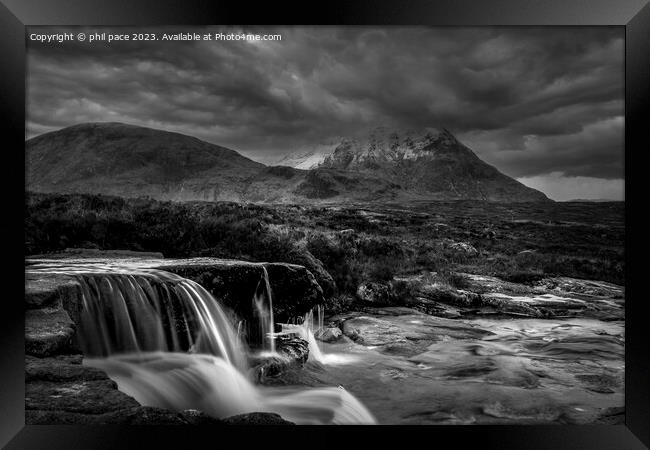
(532, 101)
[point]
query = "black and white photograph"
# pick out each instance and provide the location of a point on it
(325, 225)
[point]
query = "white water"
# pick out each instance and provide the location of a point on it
(307, 329)
(263, 311)
(168, 343)
(207, 383)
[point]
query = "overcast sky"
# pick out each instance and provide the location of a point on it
(544, 105)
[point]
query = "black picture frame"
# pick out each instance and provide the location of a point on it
(633, 15)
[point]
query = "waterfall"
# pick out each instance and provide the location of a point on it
(167, 342)
(263, 312)
(207, 383)
(307, 330)
(153, 311)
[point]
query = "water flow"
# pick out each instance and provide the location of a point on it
(311, 324)
(180, 381)
(263, 312)
(153, 311)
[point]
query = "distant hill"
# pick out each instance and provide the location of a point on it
(133, 161)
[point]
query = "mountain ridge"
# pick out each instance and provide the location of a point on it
(128, 160)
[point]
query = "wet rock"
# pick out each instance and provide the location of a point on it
(257, 418)
(328, 334)
(45, 290)
(86, 397)
(60, 368)
(291, 353)
(61, 390)
(48, 331)
(294, 348)
(295, 290)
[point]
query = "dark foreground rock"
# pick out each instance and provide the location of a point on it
(294, 289)
(61, 391)
(48, 331)
(292, 353)
(257, 419)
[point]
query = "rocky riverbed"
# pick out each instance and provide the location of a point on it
(551, 351)
(494, 353)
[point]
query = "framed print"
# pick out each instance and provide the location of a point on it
(240, 222)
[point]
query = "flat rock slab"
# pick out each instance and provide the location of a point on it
(62, 368)
(295, 290)
(48, 331)
(48, 290)
(86, 397)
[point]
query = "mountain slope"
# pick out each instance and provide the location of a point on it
(431, 163)
(132, 161)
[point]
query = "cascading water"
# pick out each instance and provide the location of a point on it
(307, 329)
(153, 311)
(263, 312)
(168, 343)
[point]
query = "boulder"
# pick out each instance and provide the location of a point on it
(291, 353)
(294, 289)
(294, 348)
(328, 334)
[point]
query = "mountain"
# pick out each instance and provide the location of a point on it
(307, 160)
(431, 163)
(131, 161)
